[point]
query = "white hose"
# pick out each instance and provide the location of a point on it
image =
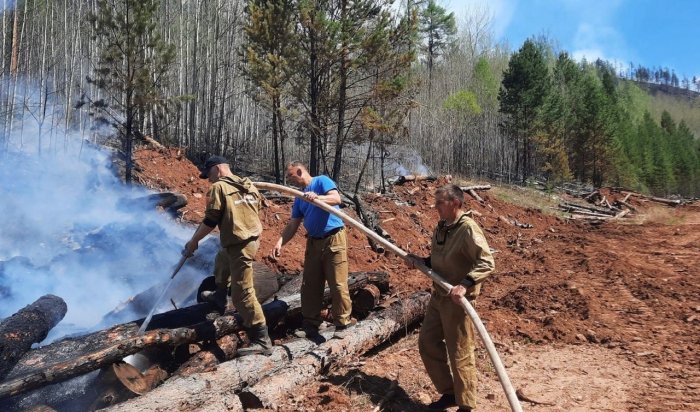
(468, 308)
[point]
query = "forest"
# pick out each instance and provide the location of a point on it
(358, 90)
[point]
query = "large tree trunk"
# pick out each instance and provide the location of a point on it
(269, 391)
(72, 347)
(30, 325)
(51, 372)
(206, 391)
(361, 285)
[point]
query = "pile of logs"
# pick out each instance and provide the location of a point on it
(610, 209)
(586, 212)
(179, 343)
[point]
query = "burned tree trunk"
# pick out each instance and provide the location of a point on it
(214, 391)
(30, 325)
(115, 383)
(73, 347)
(52, 372)
(369, 333)
(365, 291)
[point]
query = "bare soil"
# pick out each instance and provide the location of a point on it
(586, 317)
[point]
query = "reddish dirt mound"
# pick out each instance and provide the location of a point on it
(616, 306)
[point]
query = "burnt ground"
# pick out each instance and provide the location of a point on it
(585, 317)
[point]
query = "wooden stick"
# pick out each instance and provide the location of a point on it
(488, 343)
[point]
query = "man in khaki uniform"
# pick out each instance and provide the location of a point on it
(326, 257)
(460, 254)
(233, 204)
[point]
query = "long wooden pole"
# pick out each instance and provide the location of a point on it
(464, 303)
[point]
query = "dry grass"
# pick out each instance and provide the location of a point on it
(529, 198)
(662, 215)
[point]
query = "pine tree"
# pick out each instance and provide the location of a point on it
(525, 85)
(131, 68)
(267, 52)
(439, 28)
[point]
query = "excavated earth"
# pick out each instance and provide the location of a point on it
(585, 316)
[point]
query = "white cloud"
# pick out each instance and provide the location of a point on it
(501, 12)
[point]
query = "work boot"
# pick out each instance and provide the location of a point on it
(260, 343)
(217, 297)
(446, 401)
(310, 332)
(344, 331)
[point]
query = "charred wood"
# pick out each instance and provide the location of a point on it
(224, 349)
(116, 383)
(73, 347)
(365, 300)
(29, 325)
(52, 372)
(214, 391)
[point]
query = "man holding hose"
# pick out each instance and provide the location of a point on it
(460, 254)
(326, 257)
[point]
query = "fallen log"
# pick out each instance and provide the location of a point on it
(115, 384)
(365, 300)
(670, 202)
(627, 205)
(72, 347)
(475, 196)
(588, 208)
(367, 334)
(475, 187)
(60, 371)
(224, 349)
(216, 392)
(29, 325)
(413, 178)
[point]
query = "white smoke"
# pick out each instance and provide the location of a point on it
(69, 227)
(7, 5)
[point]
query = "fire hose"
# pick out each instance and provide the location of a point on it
(146, 321)
(464, 303)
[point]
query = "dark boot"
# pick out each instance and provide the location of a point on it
(217, 297)
(260, 342)
(446, 401)
(311, 333)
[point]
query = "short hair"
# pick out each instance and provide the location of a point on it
(296, 163)
(451, 192)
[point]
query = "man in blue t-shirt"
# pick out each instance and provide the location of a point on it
(326, 258)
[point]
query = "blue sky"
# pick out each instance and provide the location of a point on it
(647, 32)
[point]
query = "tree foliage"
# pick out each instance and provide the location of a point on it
(131, 68)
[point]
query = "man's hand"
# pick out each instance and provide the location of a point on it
(412, 261)
(310, 195)
(190, 248)
(277, 250)
(457, 292)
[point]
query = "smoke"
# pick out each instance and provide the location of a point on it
(405, 161)
(7, 5)
(69, 227)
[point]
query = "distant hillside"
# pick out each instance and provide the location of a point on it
(682, 104)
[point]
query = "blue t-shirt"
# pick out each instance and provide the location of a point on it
(317, 221)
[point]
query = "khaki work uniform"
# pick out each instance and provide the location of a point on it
(446, 339)
(233, 202)
(326, 260)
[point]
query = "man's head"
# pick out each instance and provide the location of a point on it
(214, 167)
(448, 201)
(298, 175)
